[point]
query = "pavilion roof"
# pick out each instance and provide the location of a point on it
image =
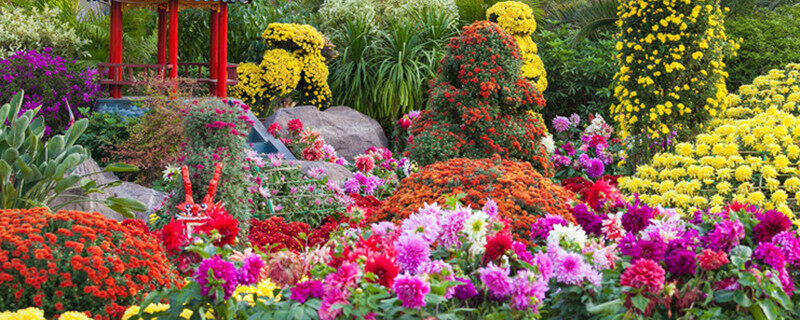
(181, 3)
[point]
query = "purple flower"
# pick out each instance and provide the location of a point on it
(726, 235)
(251, 269)
(652, 248)
(590, 222)
(215, 272)
(681, 262)
(466, 290)
(771, 222)
(496, 280)
(570, 268)
(770, 254)
(561, 124)
(545, 265)
(305, 290)
(575, 120)
(790, 245)
(424, 225)
(452, 224)
(528, 292)
(490, 208)
(637, 217)
(540, 229)
(595, 168)
(412, 251)
(383, 228)
(522, 252)
(411, 290)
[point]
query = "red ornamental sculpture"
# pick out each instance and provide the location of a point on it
(194, 214)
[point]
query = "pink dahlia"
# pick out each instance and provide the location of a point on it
(496, 280)
(771, 223)
(645, 274)
(365, 163)
(411, 290)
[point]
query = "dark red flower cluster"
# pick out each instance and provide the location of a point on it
(77, 261)
(219, 220)
(277, 234)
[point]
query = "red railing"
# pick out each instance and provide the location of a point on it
(127, 74)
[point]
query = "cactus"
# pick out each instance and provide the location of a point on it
(34, 172)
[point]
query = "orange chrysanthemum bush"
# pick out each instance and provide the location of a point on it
(480, 104)
(77, 261)
(521, 193)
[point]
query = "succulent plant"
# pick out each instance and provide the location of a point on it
(34, 172)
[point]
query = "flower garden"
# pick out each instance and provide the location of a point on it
(553, 159)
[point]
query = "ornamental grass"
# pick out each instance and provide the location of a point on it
(80, 261)
(521, 193)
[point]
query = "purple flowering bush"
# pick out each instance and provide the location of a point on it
(59, 86)
(588, 152)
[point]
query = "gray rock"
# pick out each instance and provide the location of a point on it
(348, 131)
(151, 198)
(336, 173)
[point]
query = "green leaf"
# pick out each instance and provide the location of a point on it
(769, 309)
(640, 302)
(741, 299)
(129, 203)
(120, 167)
(66, 183)
(723, 296)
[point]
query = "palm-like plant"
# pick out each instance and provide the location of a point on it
(592, 16)
(352, 73)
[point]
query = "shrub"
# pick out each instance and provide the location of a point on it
(579, 74)
(294, 64)
(77, 261)
(521, 193)
(33, 29)
(105, 132)
(749, 154)
(51, 81)
(671, 73)
(394, 10)
(480, 104)
(215, 132)
(516, 18)
(769, 41)
(335, 13)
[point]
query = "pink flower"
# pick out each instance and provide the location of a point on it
(365, 163)
(295, 126)
(411, 290)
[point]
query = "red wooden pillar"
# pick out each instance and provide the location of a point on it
(173, 38)
(115, 48)
(162, 38)
(214, 52)
(222, 69)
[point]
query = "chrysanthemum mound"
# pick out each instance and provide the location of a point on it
(77, 261)
(480, 104)
(749, 154)
(521, 193)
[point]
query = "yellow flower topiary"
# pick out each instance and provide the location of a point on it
(516, 18)
(750, 153)
(294, 64)
(671, 75)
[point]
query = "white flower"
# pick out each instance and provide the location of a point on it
(475, 226)
(548, 144)
(170, 172)
(570, 234)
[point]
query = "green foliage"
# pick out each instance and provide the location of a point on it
(104, 133)
(592, 17)
(26, 29)
(383, 68)
(769, 41)
(35, 173)
(215, 132)
(579, 74)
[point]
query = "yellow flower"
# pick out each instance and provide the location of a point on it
(72, 315)
(743, 173)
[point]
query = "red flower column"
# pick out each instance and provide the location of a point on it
(115, 48)
(222, 63)
(173, 38)
(214, 52)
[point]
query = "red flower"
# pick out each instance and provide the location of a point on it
(645, 274)
(173, 236)
(384, 269)
(496, 246)
(295, 126)
(365, 163)
(274, 128)
(712, 260)
(223, 223)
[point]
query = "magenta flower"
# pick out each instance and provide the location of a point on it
(412, 251)
(215, 272)
(496, 280)
(305, 290)
(411, 290)
(561, 124)
(251, 269)
(466, 290)
(570, 268)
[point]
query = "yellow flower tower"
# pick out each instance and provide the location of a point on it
(516, 18)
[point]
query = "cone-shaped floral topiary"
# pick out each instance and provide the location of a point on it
(480, 104)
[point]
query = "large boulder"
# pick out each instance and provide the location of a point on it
(151, 198)
(349, 131)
